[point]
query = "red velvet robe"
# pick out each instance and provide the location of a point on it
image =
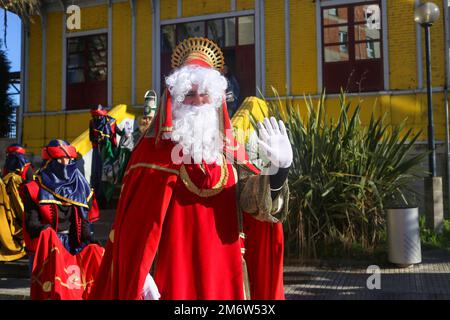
(197, 238)
(58, 275)
(264, 256)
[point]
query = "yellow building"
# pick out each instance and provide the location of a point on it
(122, 49)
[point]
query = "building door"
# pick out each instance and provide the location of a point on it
(236, 38)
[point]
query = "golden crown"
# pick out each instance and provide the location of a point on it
(198, 49)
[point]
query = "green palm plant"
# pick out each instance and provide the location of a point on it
(342, 176)
(23, 8)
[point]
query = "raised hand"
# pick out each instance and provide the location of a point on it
(274, 142)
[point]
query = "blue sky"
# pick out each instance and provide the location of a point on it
(12, 39)
(13, 42)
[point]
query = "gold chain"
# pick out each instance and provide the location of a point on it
(205, 193)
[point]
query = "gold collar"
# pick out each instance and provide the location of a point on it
(205, 193)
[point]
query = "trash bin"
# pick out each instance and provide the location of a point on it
(404, 236)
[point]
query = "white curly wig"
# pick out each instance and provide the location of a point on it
(196, 129)
(208, 80)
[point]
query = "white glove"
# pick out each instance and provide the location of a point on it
(150, 290)
(274, 142)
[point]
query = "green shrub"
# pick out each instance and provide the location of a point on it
(341, 178)
(430, 240)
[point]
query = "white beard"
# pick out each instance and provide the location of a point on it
(196, 130)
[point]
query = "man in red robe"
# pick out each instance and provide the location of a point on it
(192, 206)
(59, 205)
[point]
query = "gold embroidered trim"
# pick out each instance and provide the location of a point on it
(205, 193)
(55, 202)
(47, 286)
(111, 236)
(77, 283)
(103, 135)
(198, 48)
(151, 166)
(90, 195)
(54, 249)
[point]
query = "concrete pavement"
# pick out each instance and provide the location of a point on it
(428, 280)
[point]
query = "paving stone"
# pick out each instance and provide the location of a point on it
(14, 289)
(428, 280)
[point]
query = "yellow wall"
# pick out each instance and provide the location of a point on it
(303, 47)
(396, 108)
(401, 47)
(53, 123)
(275, 49)
(76, 123)
(402, 44)
(168, 9)
(202, 7)
(39, 129)
(33, 133)
(121, 54)
(53, 63)
(35, 63)
(437, 51)
(245, 4)
(93, 18)
(143, 49)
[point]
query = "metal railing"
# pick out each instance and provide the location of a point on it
(13, 92)
(13, 119)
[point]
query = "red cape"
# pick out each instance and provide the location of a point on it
(264, 245)
(197, 238)
(58, 275)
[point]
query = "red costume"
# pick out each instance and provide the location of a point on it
(17, 163)
(102, 127)
(264, 256)
(184, 218)
(48, 215)
(59, 205)
(58, 275)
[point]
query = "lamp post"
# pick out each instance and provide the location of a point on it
(426, 14)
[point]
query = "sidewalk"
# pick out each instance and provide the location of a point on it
(428, 280)
(14, 289)
(14, 281)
